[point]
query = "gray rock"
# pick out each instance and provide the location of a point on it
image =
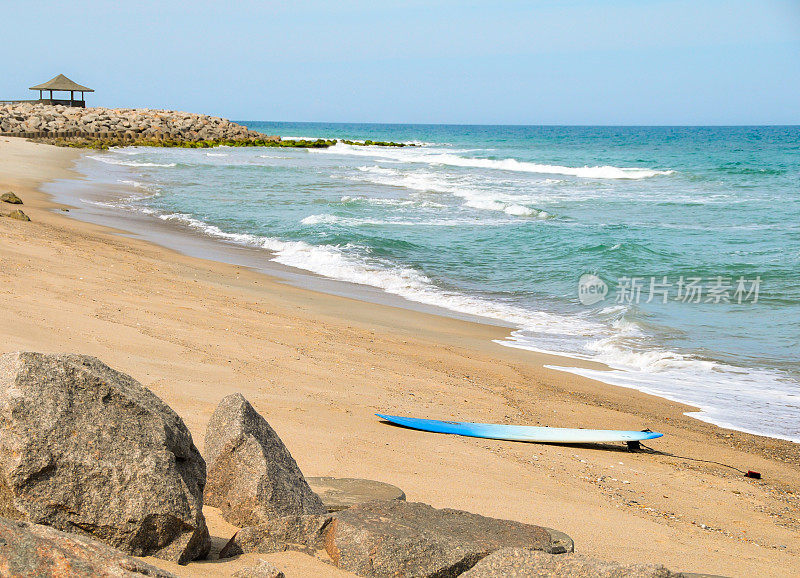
(396, 538)
(261, 570)
(252, 477)
(88, 450)
(299, 533)
(341, 493)
(32, 550)
(10, 198)
(19, 215)
(412, 539)
(525, 563)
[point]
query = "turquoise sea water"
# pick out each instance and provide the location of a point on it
(503, 222)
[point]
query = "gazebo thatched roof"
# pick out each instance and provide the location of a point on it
(61, 82)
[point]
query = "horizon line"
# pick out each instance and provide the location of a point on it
(554, 125)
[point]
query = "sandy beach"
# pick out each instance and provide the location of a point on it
(319, 367)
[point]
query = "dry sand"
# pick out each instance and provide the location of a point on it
(319, 366)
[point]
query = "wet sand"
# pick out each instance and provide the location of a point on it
(318, 366)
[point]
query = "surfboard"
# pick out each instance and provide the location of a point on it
(521, 433)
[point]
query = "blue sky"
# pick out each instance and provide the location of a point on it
(491, 62)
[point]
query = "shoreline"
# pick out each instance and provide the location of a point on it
(101, 195)
(310, 358)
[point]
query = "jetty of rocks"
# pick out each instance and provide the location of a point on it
(33, 120)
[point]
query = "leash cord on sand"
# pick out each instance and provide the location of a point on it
(694, 459)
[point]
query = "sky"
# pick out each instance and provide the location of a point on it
(601, 62)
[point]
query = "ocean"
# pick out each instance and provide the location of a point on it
(671, 254)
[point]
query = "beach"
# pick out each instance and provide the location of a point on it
(319, 366)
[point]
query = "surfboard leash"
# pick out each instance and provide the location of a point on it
(747, 474)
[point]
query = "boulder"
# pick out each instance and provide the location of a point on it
(32, 550)
(525, 563)
(261, 570)
(10, 198)
(396, 538)
(88, 450)
(412, 539)
(299, 533)
(19, 215)
(252, 477)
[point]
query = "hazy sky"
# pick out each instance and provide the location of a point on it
(505, 62)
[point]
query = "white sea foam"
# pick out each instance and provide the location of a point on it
(720, 392)
(121, 204)
(111, 161)
(151, 189)
(449, 158)
(347, 199)
(424, 181)
(347, 263)
(328, 219)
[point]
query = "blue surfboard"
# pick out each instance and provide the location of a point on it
(521, 433)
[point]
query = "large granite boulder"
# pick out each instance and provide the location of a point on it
(31, 550)
(252, 477)
(88, 450)
(412, 539)
(395, 538)
(525, 563)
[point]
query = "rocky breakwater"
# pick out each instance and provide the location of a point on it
(64, 122)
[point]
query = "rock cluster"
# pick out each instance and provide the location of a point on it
(42, 120)
(90, 460)
(396, 538)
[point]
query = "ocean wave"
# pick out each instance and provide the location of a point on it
(507, 208)
(721, 392)
(348, 263)
(121, 204)
(111, 161)
(348, 200)
(486, 200)
(725, 395)
(328, 219)
(436, 157)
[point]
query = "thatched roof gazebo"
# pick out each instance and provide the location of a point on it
(62, 84)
